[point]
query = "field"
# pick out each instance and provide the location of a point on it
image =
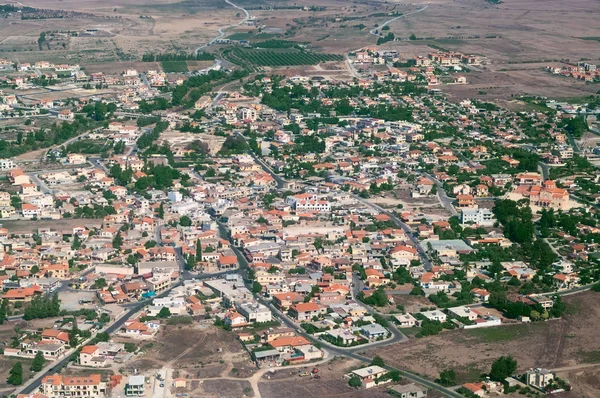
(279, 58)
(331, 383)
(568, 343)
(174, 66)
(192, 351)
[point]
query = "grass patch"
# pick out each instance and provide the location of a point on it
(589, 356)
(410, 331)
(590, 38)
(499, 334)
(240, 36)
(174, 66)
(287, 57)
(469, 373)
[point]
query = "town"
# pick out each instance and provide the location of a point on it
(239, 229)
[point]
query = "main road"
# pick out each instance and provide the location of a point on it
(222, 30)
(372, 31)
(352, 352)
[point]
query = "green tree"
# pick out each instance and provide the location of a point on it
(198, 250)
(161, 211)
(256, 287)
(354, 381)
(502, 368)
(3, 311)
(15, 376)
(185, 221)
(117, 241)
(377, 361)
(190, 262)
(38, 362)
(447, 378)
(164, 313)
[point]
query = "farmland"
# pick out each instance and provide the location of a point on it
(174, 66)
(278, 58)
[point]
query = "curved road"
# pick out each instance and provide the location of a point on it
(351, 353)
(222, 30)
(372, 31)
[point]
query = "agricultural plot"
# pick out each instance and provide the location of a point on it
(279, 58)
(174, 66)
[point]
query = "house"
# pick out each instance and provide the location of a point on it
(135, 386)
(55, 336)
(406, 320)
(18, 177)
(463, 312)
(289, 344)
(22, 295)
(90, 386)
(75, 158)
(411, 390)
(66, 114)
(234, 319)
(538, 377)
(90, 355)
(305, 311)
(373, 331)
(481, 294)
(477, 217)
(435, 315)
(368, 376)
(475, 388)
(284, 301)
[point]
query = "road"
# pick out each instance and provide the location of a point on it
(443, 197)
(280, 181)
(222, 30)
(351, 353)
(37, 181)
(545, 170)
(372, 31)
(408, 230)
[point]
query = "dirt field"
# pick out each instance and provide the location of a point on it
(570, 341)
(192, 351)
(331, 383)
(21, 226)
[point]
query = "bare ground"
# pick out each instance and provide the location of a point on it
(569, 341)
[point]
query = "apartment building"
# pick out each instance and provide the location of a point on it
(56, 386)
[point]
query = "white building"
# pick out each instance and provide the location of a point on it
(463, 312)
(435, 315)
(175, 196)
(479, 217)
(7, 164)
(255, 312)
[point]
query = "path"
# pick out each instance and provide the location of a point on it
(222, 30)
(575, 367)
(372, 31)
(351, 67)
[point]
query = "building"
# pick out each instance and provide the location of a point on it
(56, 386)
(135, 386)
(305, 311)
(7, 164)
(538, 377)
(255, 312)
(368, 376)
(373, 331)
(411, 390)
(477, 217)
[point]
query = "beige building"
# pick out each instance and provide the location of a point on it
(56, 386)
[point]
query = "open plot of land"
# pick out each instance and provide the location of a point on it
(331, 382)
(193, 351)
(569, 341)
(65, 224)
